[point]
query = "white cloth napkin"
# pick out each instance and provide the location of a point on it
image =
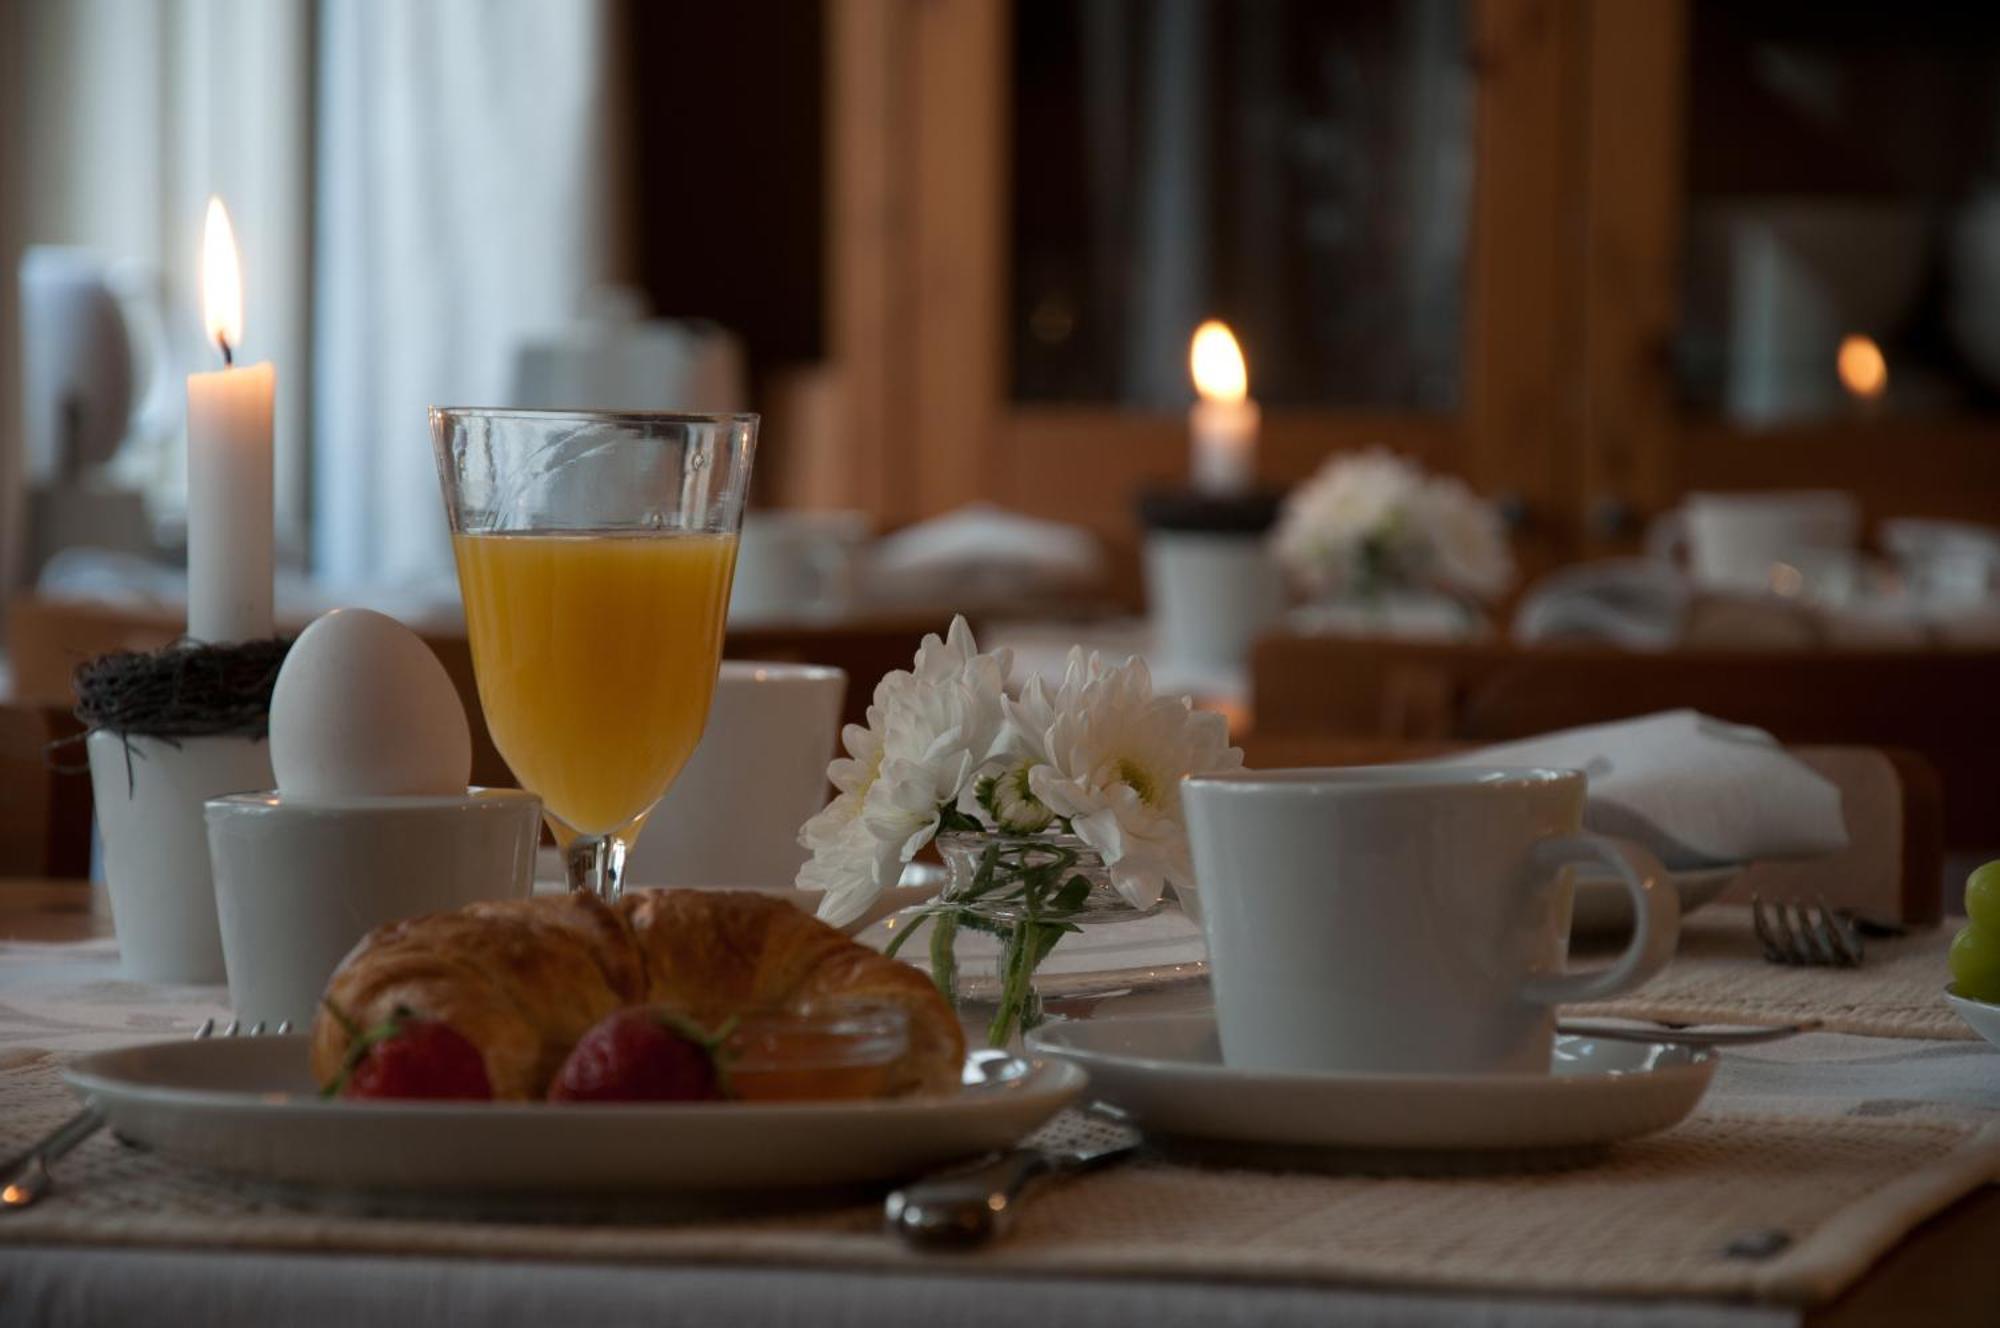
(1637, 603)
(1695, 790)
(982, 550)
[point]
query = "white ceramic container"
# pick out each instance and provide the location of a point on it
(1732, 540)
(1404, 920)
(795, 564)
(298, 883)
(156, 868)
(1210, 596)
(733, 816)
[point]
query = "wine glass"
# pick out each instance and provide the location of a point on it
(595, 553)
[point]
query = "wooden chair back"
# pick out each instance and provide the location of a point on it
(44, 794)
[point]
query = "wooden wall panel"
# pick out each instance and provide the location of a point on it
(1520, 337)
(959, 145)
(868, 231)
(1635, 167)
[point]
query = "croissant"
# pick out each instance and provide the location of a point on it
(522, 980)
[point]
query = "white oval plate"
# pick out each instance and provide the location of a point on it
(1166, 1073)
(248, 1106)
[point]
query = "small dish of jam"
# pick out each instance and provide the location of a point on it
(839, 1051)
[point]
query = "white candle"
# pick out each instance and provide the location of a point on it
(1222, 426)
(229, 463)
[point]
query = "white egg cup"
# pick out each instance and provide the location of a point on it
(299, 882)
(149, 794)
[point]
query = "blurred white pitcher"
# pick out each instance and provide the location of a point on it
(733, 815)
(1731, 540)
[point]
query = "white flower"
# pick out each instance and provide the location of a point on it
(1468, 541)
(848, 862)
(999, 798)
(1108, 755)
(930, 731)
(1372, 521)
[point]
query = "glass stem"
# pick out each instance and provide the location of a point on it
(596, 863)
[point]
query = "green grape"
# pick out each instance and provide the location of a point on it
(1982, 897)
(1975, 963)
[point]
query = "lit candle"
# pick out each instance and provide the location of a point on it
(1222, 427)
(229, 462)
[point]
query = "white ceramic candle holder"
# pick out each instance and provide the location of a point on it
(149, 794)
(1211, 594)
(299, 883)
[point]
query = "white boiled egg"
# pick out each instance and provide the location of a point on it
(362, 708)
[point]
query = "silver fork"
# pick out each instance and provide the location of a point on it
(1806, 934)
(26, 1181)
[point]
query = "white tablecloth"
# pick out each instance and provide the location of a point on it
(69, 998)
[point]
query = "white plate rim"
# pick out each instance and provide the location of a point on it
(1052, 1078)
(1699, 1062)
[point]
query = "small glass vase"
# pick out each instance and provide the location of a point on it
(1026, 892)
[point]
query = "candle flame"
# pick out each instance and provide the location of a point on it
(1217, 363)
(1863, 370)
(221, 280)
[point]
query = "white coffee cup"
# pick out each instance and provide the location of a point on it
(298, 884)
(1733, 540)
(733, 815)
(1404, 919)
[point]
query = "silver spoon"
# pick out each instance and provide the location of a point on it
(1742, 1035)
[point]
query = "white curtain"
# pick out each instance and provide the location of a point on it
(464, 199)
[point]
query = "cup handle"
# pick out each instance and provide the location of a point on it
(1656, 910)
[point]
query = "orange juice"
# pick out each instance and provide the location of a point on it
(596, 655)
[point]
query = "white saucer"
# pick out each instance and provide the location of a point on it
(1165, 1072)
(248, 1106)
(1601, 907)
(1142, 954)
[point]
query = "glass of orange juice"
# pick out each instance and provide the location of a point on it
(595, 552)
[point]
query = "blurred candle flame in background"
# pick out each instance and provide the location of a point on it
(1863, 370)
(1217, 363)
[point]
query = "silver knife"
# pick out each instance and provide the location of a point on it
(971, 1205)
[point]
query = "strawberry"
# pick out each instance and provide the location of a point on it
(412, 1057)
(641, 1054)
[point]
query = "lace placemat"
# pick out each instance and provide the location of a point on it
(1720, 975)
(1742, 1207)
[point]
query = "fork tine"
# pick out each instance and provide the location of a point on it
(1811, 946)
(284, 1027)
(1846, 941)
(257, 1029)
(235, 1027)
(1814, 922)
(1765, 934)
(207, 1029)
(1789, 951)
